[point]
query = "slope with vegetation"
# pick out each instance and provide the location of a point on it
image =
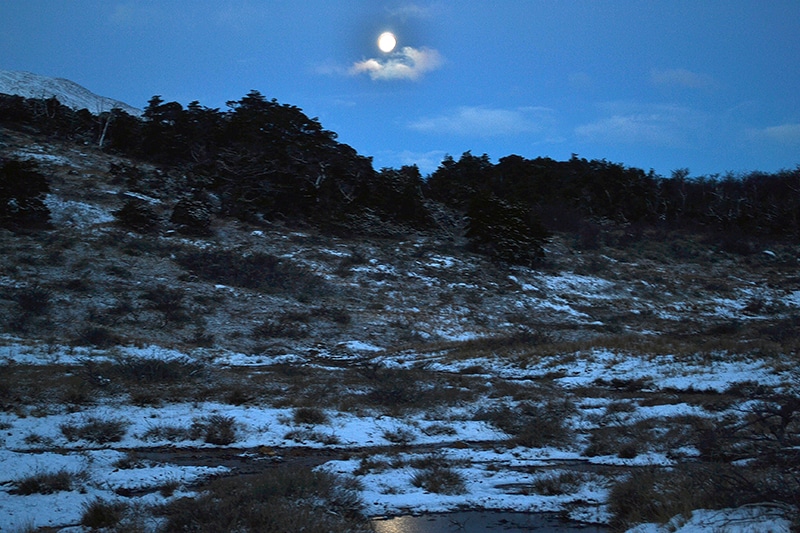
(200, 308)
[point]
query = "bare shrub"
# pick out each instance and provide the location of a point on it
(257, 270)
(533, 425)
(239, 396)
(171, 433)
(77, 394)
(395, 387)
(169, 302)
(400, 436)
(626, 442)
(97, 336)
(100, 514)
(44, 483)
(34, 300)
(434, 474)
(95, 430)
(137, 215)
(281, 499)
(567, 482)
(338, 315)
(155, 370)
(310, 415)
(215, 429)
(656, 495)
(301, 435)
(280, 328)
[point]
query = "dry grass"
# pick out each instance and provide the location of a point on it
(47, 482)
(435, 474)
(96, 430)
(278, 500)
(533, 425)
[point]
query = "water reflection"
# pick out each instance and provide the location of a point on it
(479, 521)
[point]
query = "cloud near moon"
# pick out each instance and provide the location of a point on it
(408, 63)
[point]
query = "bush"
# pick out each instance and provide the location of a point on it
(96, 430)
(566, 482)
(33, 300)
(257, 270)
(282, 328)
(99, 514)
(274, 501)
(395, 387)
(168, 301)
(504, 232)
(216, 429)
(44, 483)
(193, 217)
(436, 476)
(154, 370)
(97, 336)
(533, 425)
(310, 415)
(137, 215)
(656, 495)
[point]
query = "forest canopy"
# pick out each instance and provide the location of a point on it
(263, 160)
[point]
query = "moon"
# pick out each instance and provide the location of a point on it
(387, 41)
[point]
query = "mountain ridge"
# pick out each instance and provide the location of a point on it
(68, 92)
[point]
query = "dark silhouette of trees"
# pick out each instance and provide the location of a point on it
(263, 160)
(505, 232)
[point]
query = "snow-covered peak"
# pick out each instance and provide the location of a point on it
(67, 92)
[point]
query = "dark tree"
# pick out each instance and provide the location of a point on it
(456, 182)
(505, 232)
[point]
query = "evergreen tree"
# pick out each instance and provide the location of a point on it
(505, 232)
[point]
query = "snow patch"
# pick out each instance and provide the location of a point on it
(75, 214)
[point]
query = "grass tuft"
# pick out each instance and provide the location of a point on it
(285, 499)
(102, 514)
(96, 430)
(45, 483)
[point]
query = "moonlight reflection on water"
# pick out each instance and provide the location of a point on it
(480, 521)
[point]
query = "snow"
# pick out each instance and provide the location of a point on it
(76, 214)
(67, 92)
(792, 299)
(387, 490)
(468, 446)
(97, 476)
(361, 346)
(761, 518)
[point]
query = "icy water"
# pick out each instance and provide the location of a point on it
(480, 521)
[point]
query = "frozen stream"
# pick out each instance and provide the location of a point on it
(479, 521)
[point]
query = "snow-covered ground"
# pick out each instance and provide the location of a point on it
(637, 349)
(495, 476)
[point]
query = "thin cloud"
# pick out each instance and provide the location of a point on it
(407, 64)
(658, 125)
(408, 11)
(680, 77)
(486, 122)
(783, 134)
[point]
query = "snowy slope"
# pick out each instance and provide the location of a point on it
(68, 92)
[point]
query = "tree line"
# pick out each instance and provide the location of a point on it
(263, 160)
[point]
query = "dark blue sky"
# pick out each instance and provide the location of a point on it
(713, 86)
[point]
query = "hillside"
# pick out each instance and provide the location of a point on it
(67, 92)
(651, 373)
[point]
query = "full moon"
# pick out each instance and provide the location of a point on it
(387, 42)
